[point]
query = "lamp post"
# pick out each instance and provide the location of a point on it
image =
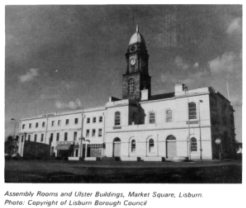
(188, 140)
(218, 142)
(13, 119)
(200, 101)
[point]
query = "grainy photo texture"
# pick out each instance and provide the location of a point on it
(123, 94)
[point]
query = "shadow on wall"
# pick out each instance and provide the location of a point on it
(136, 115)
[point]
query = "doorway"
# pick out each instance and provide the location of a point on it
(171, 146)
(116, 147)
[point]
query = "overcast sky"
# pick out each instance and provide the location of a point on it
(69, 57)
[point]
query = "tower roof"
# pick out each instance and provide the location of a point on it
(137, 37)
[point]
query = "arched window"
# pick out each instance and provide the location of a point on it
(169, 116)
(151, 117)
(193, 144)
(192, 110)
(131, 86)
(117, 118)
(133, 146)
(151, 145)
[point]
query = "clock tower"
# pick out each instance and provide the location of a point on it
(137, 76)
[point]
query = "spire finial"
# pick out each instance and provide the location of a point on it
(137, 29)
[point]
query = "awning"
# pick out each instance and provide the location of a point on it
(63, 146)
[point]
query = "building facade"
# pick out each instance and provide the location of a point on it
(140, 126)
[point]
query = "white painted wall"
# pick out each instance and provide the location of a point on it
(158, 131)
(161, 129)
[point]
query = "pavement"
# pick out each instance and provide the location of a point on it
(166, 164)
(58, 171)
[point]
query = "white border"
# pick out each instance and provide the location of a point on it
(221, 195)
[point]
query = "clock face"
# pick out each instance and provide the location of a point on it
(133, 61)
(133, 48)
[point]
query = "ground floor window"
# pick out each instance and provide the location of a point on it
(151, 145)
(193, 144)
(94, 150)
(133, 146)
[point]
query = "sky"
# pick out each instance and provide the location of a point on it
(61, 58)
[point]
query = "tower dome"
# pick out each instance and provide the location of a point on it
(137, 37)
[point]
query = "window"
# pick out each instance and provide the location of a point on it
(93, 132)
(192, 110)
(95, 146)
(87, 133)
(51, 137)
(94, 120)
(57, 136)
(59, 122)
(42, 137)
(35, 138)
(151, 145)
(29, 137)
(67, 121)
(100, 119)
(99, 132)
(88, 120)
(43, 124)
(22, 138)
(193, 144)
(30, 125)
(131, 86)
(65, 136)
(117, 118)
(23, 126)
(168, 116)
(151, 117)
(52, 123)
(74, 136)
(36, 125)
(76, 120)
(133, 146)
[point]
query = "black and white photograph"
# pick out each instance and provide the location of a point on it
(123, 94)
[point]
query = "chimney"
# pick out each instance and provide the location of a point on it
(180, 89)
(145, 94)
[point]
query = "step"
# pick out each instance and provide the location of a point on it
(179, 159)
(152, 159)
(128, 159)
(90, 159)
(73, 158)
(108, 159)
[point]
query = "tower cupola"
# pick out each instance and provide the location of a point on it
(137, 37)
(137, 76)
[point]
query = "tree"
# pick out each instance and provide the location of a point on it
(10, 145)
